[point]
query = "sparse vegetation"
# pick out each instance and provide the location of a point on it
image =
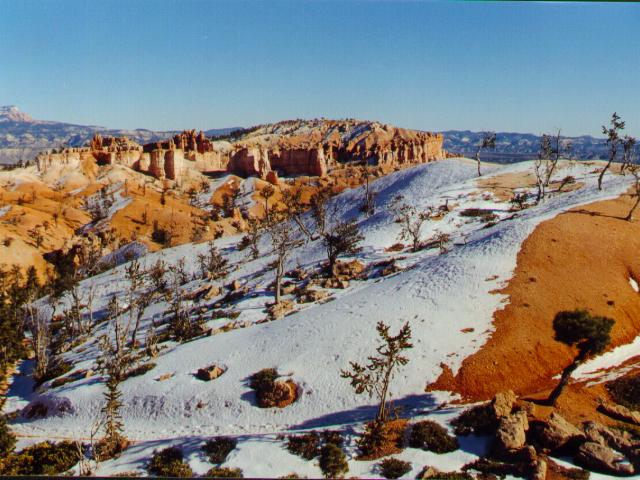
(305, 446)
(271, 392)
(218, 449)
(333, 461)
(626, 391)
(212, 264)
(46, 458)
(429, 435)
(394, 467)
(224, 472)
(375, 377)
(479, 420)
(613, 142)
(411, 221)
(169, 463)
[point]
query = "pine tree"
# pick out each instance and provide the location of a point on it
(590, 334)
(7, 438)
(113, 425)
(374, 378)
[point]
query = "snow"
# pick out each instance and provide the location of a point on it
(4, 210)
(593, 368)
(634, 284)
(439, 295)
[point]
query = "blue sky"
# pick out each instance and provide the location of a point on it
(430, 65)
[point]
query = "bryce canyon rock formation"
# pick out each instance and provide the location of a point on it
(285, 148)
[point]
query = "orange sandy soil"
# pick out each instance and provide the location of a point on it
(580, 259)
(504, 185)
(35, 205)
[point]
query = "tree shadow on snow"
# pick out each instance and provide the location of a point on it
(408, 406)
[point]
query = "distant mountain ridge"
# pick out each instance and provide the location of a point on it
(512, 146)
(22, 137)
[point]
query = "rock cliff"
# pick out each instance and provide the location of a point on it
(287, 148)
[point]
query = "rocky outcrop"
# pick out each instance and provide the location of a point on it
(286, 148)
(619, 412)
(558, 434)
(502, 403)
(511, 434)
(600, 458)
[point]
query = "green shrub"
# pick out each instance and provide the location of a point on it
(394, 468)
(219, 448)
(333, 461)
(333, 437)
(429, 435)
(479, 420)
(626, 391)
(44, 458)
(306, 446)
(7, 438)
(270, 392)
(224, 472)
(263, 380)
(169, 463)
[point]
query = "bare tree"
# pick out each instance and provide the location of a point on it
(410, 220)
(252, 236)
(368, 205)
(442, 239)
(488, 142)
(37, 322)
(635, 171)
(375, 377)
(283, 241)
(628, 152)
(613, 141)
(292, 200)
(116, 357)
(266, 193)
(540, 166)
(212, 264)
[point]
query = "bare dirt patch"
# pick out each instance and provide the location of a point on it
(580, 259)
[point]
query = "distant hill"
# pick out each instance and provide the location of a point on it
(22, 137)
(513, 147)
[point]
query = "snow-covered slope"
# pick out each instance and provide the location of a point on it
(438, 294)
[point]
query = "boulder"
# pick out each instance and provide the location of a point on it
(288, 288)
(279, 310)
(557, 433)
(334, 283)
(620, 412)
(349, 270)
(511, 433)
(429, 472)
(212, 292)
(502, 403)
(600, 458)
(209, 373)
(272, 177)
(539, 469)
(309, 295)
